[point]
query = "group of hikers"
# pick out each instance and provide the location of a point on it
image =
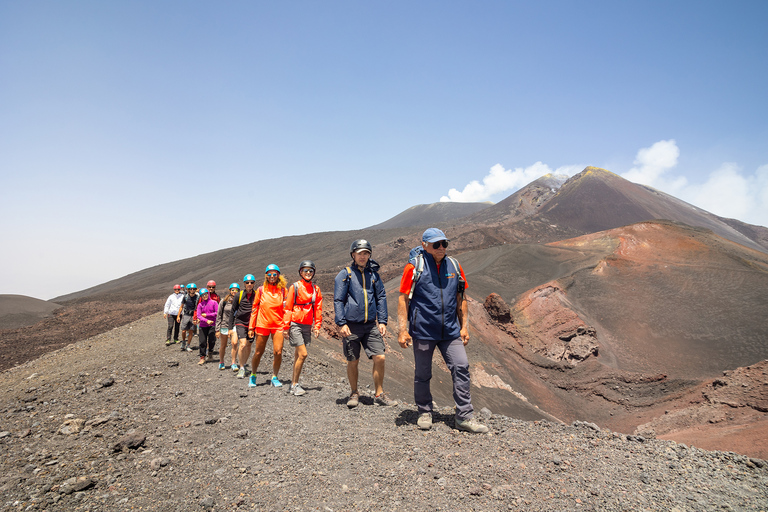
(431, 304)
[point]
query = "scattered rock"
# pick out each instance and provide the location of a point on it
(129, 442)
(72, 426)
(497, 309)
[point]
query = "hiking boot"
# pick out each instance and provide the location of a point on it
(252, 381)
(384, 400)
(297, 390)
(167, 343)
(202, 360)
(425, 421)
(222, 366)
(209, 357)
(188, 349)
(471, 425)
(276, 382)
(241, 373)
(353, 400)
(176, 341)
(235, 367)
(183, 346)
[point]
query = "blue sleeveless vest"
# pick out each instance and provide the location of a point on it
(432, 312)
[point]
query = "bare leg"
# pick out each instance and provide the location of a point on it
(235, 346)
(352, 374)
(277, 351)
(261, 344)
(299, 355)
(245, 352)
(378, 373)
(223, 339)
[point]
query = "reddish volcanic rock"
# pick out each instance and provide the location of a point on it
(497, 308)
(552, 326)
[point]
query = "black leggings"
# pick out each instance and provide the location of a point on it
(207, 338)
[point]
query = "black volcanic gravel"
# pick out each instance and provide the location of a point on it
(159, 432)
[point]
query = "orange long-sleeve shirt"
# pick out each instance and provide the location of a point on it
(299, 308)
(268, 308)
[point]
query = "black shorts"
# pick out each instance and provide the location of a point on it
(242, 333)
(368, 336)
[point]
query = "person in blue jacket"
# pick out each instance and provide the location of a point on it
(433, 308)
(360, 307)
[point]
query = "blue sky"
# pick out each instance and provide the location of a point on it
(131, 131)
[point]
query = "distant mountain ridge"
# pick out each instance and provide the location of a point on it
(597, 199)
(21, 310)
(434, 213)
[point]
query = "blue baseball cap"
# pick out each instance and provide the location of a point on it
(433, 235)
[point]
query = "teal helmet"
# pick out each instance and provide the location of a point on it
(192, 286)
(248, 277)
(203, 291)
(274, 267)
(234, 285)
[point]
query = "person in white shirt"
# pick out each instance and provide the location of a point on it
(171, 313)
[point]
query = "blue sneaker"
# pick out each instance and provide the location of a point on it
(276, 382)
(252, 381)
(235, 367)
(222, 366)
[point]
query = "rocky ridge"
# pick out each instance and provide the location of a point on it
(119, 422)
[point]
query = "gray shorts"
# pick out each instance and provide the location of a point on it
(368, 336)
(299, 334)
(186, 323)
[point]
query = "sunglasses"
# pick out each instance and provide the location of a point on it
(307, 271)
(272, 274)
(436, 245)
(250, 282)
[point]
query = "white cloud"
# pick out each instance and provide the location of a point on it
(503, 180)
(728, 192)
(652, 165)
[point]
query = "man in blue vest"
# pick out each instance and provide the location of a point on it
(433, 307)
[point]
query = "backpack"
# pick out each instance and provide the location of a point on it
(417, 257)
(349, 274)
(184, 302)
(296, 295)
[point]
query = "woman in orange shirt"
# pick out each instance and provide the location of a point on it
(303, 316)
(268, 318)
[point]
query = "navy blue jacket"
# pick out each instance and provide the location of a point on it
(433, 309)
(359, 297)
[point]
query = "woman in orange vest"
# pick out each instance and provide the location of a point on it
(268, 318)
(303, 316)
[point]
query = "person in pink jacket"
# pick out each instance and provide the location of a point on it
(206, 315)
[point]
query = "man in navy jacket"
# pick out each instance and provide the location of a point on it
(360, 307)
(434, 310)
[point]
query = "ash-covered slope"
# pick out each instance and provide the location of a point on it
(20, 310)
(596, 200)
(430, 214)
(674, 299)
